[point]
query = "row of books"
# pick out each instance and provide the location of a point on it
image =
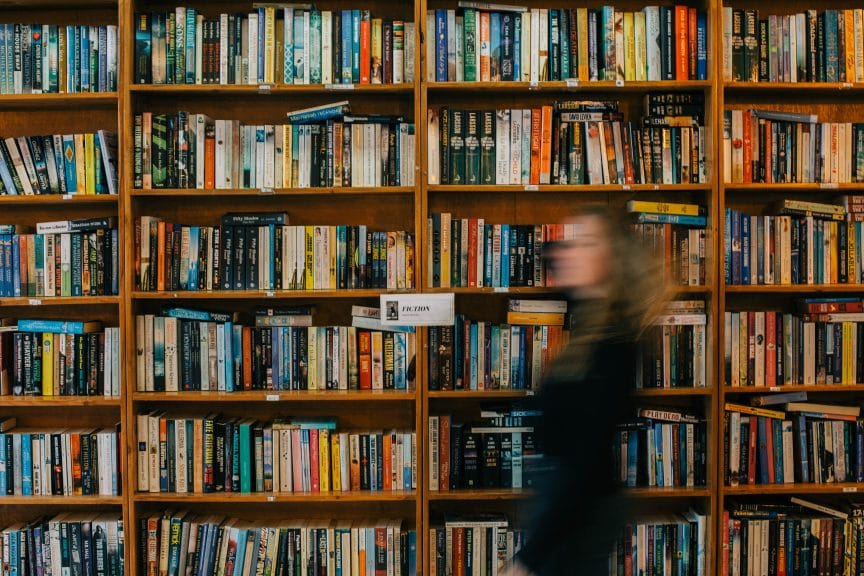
(83, 262)
(486, 453)
(503, 356)
(73, 462)
(249, 252)
(811, 46)
(219, 454)
(189, 150)
(681, 247)
(769, 146)
(272, 45)
(799, 538)
(79, 542)
(674, 351)
(818, 443)
(484, 544)
(662, 449)
(180, 542)
(483, 355)
(45, 361)
(585, 44)
(773, 348)
(47, 58)
(673, 545)
(186, 350)
(59, 164)
(569, 142)
(812, 243)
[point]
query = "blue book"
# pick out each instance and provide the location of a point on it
(777, 437)
(347, 46)
(632, 458)
(832, 58)
(494, 46)
(564, 44)
(441, 62)
(505, 256)
(191, 25)
(2, 464)
(194, 237)
(745, 249)
(316, 423)
(84, 33)
(261, 20)
(727, 246)
(762, 446)
(276, 336)
(246, 456)
(651, 218)
(859, 451)
(400, 355)
(488, 234)
(355, 46)
(472, 380)
(242, 535)
(288, 47)
(658, 454)
(517, 47)
(237, 360)
(702, 46)
(26, 465)
(58, 326)
(69, 163)
(200, 315)
(6, 176)
(736, 247)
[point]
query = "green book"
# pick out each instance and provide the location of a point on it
(470, 51)
(159, 151)
(314, 48)
(487, 147)
(457, 146)
(246, 455)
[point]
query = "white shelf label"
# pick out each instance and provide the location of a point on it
(34, 302)
(774, 388)
(619, 82)
(571, 82)
(270, 293)
(847, 489)
(656, 187)
(272, 398)
(339, 86)
(67, 196)
(266, 190)
(271, 498)
(264, 88)
(829, 185)
(529, 392)
(501, 290)
(625, 187)
(533, 85)
(846, 85)
(531, 187)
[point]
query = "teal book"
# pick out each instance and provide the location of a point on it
(180, 46)
(470, 49)
(300, 59)
(355, 46)
(246, 455)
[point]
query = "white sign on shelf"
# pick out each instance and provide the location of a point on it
(417, 309)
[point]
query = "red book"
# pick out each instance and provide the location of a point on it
(161, 261)
(747, 137)
(387, 474)
(75, 449)
(769, 448)
(724, 559)
(380, 551)
(691, 41)
(472, 252)
(444, 452)
(247, 357)
(364, 350)
(365, 36)
(751, 348)
(545, 144)
(682, 59)
(771, 349)
(752, 454)
(315, 477)
(210, 156)
(296, 454)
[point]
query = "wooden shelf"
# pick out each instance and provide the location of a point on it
(785, 187)
(59, 401)
(53, 101)
(499, 290)
(242, 192)
(676, 392)
(797, 87)
(60, 301)
(278, 396)
(566, 86)
(480, 394)
(228, 90)
(59, 199)
(775, 489)
(793, 388)
(565, 188)
(264, 294)
(60, 500)
(463, 495)
(676, 492)
(307, 497)
(793, 288)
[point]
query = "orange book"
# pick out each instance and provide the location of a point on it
(364, 349)
(546, 145)
(314, 471)
(747, 134)
(247, 357)
(354, 460)
(691, 41)
(536, 136)
(682, 58)
(160, 252)
(387, 473)
(365, 35)
(485, 56)
(849, 22)
(75, 449)
(444, 452)
(458, 552)
(210, 157)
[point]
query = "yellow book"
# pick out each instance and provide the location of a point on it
(269, 43)
(629, 47)
(535, 318)
(582, 30)
(664, 208)
(849, 25)
(312, 359)
(849, 347)
(834, 248)
(80, 170)
(744, 349)
(641, 47)
(377, 50)
(752, 410)
(310, 258)
(324, 459)
(335, 466)
(287, 150)
(47, 364)
(90, 164)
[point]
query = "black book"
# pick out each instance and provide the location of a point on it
(506, 460)
(219, 455)
(457, 448)
(239, 257)
(444, 133)
(508, 26)
(471, 460)
(251, 257)
(364, 461)
(490, 470)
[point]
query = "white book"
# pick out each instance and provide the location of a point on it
(430, 48)
(172, 369)
(220, 357)
(223, 48)
(204, 346)
(269, 156)
(180, 459)
(536, 23)
(652, 39)
(543, 58)
(326, 47)
(727, 44)
(220, 154)
(410, 35)
(199, 44)
(153, 451)
(525, 43)
(252, 65)
(502, 146)
(451, 44)
(515, 146)
(143, 427)
(307, 69)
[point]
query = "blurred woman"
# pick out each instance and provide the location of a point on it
(616, 289)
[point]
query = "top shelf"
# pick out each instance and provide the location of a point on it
(270, 89)
(567, 86)
(811, 87)
(43, 101)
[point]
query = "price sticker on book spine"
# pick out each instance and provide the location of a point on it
(848, 489)
(272, 398)
(339, 87)
(34, 302)
(264, 89)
